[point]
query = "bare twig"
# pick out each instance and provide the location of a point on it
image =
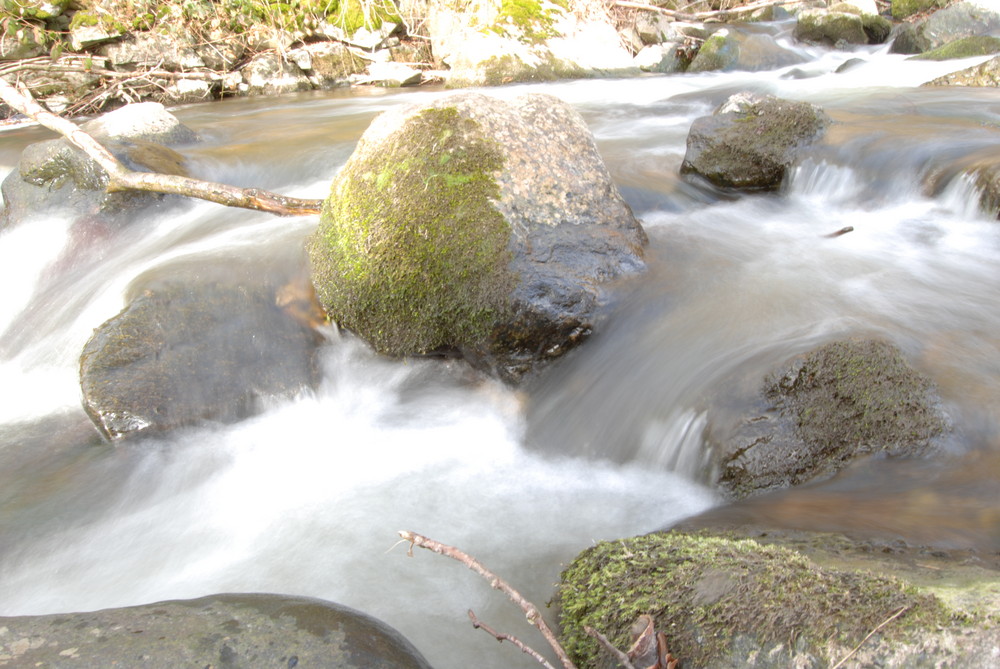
(501, 637)
(610, 647)
(530, 610)
(900, 611)
(121, 178)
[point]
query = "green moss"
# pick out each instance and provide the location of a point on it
(978, 45)
(411, 253)
(712, 594)
(904, 8)
(534, 23)
(716, 53)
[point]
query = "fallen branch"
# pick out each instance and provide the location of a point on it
(698, 16)
(121, 178)
(530, 610)
(622, 658)
(501, 637)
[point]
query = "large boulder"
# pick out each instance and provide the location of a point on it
(962, 19)
(966, 47)
(54, 174)
(842, 401)
(734, 49)
(491, 43)
(230, 630)
(775, 601)
(182, 352)
(474, 226)
(751, 141)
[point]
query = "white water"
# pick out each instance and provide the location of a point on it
(307, 497)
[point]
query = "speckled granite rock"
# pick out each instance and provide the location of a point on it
(233, 631)
(474, 226)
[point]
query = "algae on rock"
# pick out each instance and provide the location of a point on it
(724, 601)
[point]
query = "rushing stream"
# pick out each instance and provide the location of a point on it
(307, 497)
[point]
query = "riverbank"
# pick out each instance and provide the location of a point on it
(82, 57)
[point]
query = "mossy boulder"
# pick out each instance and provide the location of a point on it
(734, 49)
(751, 141)
(832, 28)
(842, 401)
(474, 226)
(966, 47)
(725, 600)
(229, 630)
(54, 174)
(184, 351)
(957, 21)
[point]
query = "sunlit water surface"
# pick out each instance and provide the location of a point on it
(307, 497)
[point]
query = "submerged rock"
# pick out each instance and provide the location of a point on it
(474, 226)
(229, 630)
(53, 174)
(731, 49)
(842, 401)
(724, 600)
(181, 353)
(751, 141)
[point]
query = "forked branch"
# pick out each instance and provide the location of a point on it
(121, 178)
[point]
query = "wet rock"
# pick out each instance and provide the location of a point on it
(840, 402)
(392, 75)
(730, 49)
(751, 141)
(474, 226)
(228, 630)
(963, 19)
(56, 175)
(183, 352)
(725, 599)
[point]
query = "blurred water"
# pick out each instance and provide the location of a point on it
(307, 497)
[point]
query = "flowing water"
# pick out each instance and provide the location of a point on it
(306, 497)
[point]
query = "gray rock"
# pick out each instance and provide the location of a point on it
(772, 600)
(56, 175)
(843, 401)
(330, 64)
(270, 74)
(181, 353)
(946, 25)
(751, 141)
(661, 58)
(392, 75)
(229, 630)
(474, 226)
(832, 28)
(152, 49)
(83, 37)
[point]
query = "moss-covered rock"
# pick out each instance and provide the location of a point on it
(751, 141)
(727, 601)
(735, 49)
(184, 352)
(229, 630)
(842, 401)
(966, 47)
(829, 27)
(962, 19)
(473, 226)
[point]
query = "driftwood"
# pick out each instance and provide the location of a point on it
(121, 178)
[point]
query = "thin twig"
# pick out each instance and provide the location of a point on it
(610, 647)
(697, 16)
(885, 622)
(501, 637)
(530, 610)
